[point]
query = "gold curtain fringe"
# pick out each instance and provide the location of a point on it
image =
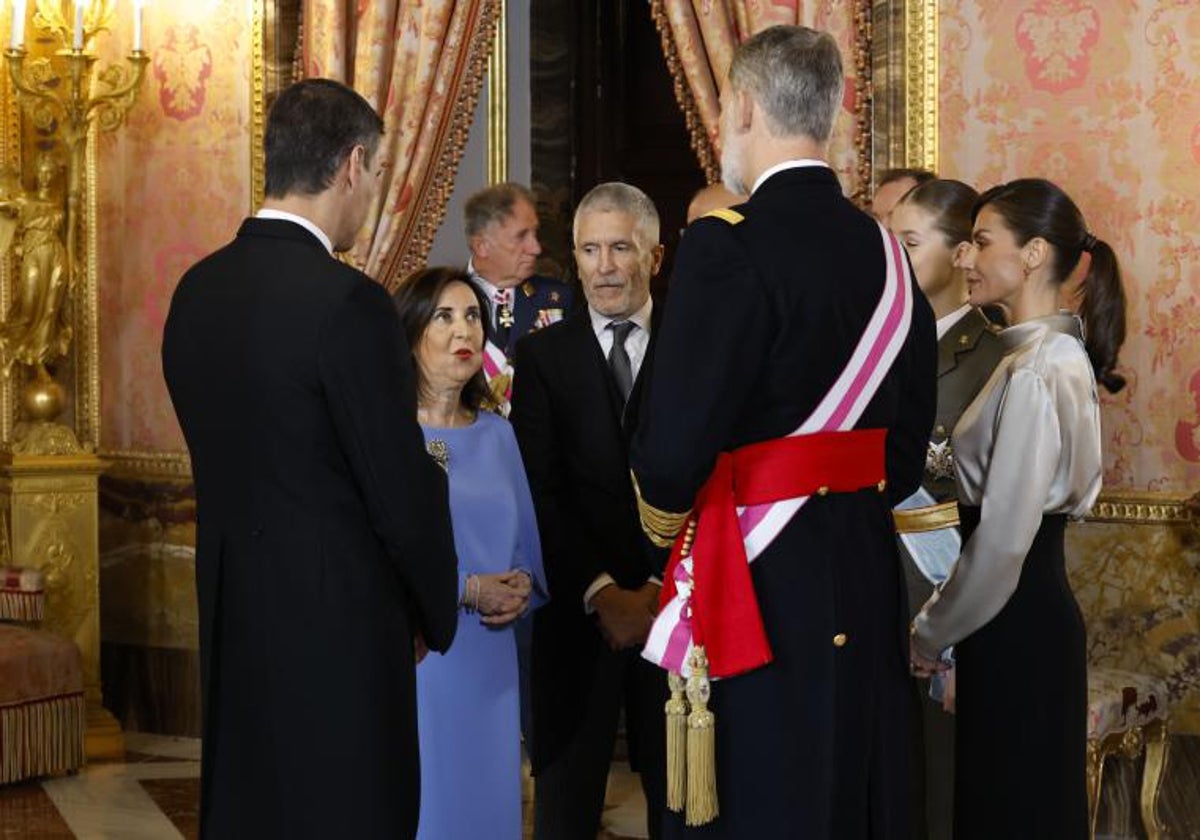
(42, 737)
(864, 97)
(702, 145)
(427, 208)
(22, 606)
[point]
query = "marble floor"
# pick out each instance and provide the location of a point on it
(153, 795)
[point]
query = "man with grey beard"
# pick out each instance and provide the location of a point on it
(790, 407)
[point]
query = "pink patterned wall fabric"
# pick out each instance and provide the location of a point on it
(1102, 97)
(173, 185)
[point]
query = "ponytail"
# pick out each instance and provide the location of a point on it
(1036, 207)
(1103, 313)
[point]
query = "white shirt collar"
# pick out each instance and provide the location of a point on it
(787, 164)
(489, 288)
(641, 318)
(307, 224)
(949, 320)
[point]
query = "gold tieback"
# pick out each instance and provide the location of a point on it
(661, 526)
(931, 518)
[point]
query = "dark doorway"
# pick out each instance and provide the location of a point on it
(604, 109)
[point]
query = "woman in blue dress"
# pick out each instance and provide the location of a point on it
(468, 707)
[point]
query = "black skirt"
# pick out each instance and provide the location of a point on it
(1020, 753)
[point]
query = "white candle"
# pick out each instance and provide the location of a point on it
(78, 42)
(137, 25)
(18, 25)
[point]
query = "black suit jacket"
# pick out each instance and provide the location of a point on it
(764, 315)
(575, 443)
(323, 538)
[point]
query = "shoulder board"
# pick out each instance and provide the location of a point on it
(731, 216)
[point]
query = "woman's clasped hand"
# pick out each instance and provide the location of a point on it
(499, 598)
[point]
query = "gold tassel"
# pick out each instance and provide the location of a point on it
(702, 806)
(676, 711)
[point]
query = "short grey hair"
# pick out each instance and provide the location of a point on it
(494, 204)
(615, 196)
(795, 75)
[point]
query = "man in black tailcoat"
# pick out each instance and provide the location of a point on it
(770, 300)
(324, 556)
(575, 404)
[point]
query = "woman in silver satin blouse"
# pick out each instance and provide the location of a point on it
(1028, 459)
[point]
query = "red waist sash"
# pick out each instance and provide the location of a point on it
(725, 617)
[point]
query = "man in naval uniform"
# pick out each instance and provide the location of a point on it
(791, 402)
(501, 231)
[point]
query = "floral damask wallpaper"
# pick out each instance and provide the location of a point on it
(173, 185)
(1102, 97)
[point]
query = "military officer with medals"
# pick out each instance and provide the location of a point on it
(789, 409)
(502, 235)
(933, 221)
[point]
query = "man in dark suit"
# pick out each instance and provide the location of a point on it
(501, 230)
(324, 553)
(575, 405)
(791, 401)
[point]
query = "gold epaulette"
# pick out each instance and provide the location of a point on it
(931, 518)
(661, 526)
(724, 213)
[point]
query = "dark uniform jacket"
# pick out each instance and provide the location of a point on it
(323, 539)
(537, 303)
(967, 355)
(764, 315)
(575, 444)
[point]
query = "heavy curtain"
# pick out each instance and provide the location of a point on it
(420, 63)
(700, 36)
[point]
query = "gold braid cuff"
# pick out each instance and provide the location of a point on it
(931, 518)
(661, 526)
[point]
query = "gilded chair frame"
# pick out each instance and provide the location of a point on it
(1151, 739)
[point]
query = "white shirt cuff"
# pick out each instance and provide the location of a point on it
(602, 580)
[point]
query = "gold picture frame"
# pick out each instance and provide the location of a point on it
(904, 123)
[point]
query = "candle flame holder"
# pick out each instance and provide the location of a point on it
(64, 95)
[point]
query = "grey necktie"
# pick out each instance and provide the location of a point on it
(618, 358)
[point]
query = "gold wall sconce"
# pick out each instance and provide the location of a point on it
(63, 94)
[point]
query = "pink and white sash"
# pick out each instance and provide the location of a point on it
(669, 644)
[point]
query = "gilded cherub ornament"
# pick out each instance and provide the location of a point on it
(35, 329)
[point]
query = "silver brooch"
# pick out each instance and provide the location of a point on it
(438, 450)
